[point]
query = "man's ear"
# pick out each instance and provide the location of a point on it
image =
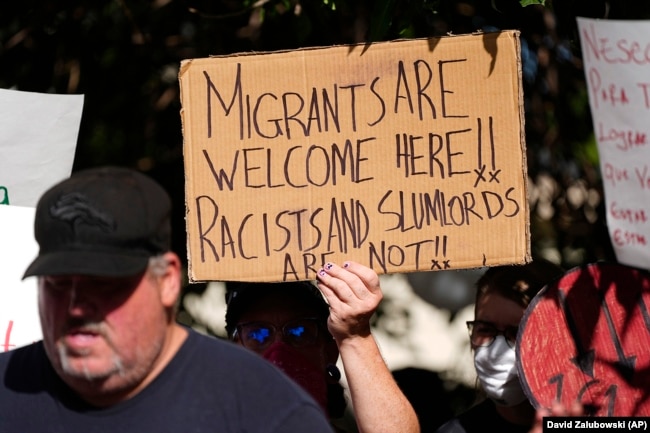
(170, 280)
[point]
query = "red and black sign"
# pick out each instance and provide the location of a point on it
(586, 337)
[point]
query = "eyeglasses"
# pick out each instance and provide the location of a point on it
(298, 333)
(482, 334)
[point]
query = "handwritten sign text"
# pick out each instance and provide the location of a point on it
(404, 156)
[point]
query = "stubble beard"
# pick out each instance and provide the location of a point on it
(134, 372)
(116, 366)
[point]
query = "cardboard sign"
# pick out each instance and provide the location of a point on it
(586, 337)
(405, 156)
(19, 321)
(615, 55)
(37, 144)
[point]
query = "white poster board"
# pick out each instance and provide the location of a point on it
(38, 137)
(617, 69)
(37, 142)
(19, 322)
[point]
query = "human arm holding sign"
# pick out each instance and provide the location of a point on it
(353, 293)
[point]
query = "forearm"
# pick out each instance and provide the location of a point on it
(379, 405)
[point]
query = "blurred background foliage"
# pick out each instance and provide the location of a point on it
(124, 57)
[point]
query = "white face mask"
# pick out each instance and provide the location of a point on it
(497, 372)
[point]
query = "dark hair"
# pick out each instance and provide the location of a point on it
(520, 283)
(241, 295)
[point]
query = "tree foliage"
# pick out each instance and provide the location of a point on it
(124, 57)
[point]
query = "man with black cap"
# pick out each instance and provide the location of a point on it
(113, 357)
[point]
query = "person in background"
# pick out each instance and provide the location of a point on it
(429, 394)
(112, 357)
(304, 330)
(503, 294)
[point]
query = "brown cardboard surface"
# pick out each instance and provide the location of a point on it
(405, 156)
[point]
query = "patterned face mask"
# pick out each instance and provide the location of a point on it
(300, 369)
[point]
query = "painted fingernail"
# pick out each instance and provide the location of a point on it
(328, 266)
(322, 272)
(346, 264)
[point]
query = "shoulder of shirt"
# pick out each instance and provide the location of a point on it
(207, 343)
(22, 352)
(236, 359)
(229, 354)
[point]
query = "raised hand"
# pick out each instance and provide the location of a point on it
(353, 293)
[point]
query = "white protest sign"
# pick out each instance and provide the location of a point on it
(616, 57)
(19, 322)
(37, 143)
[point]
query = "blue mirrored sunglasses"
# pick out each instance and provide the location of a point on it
(298, 333)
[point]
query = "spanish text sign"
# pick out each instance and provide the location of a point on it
(405, 156)
(615, 55)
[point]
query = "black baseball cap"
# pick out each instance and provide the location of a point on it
(105, 221)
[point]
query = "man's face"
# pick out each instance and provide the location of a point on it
(103, 335)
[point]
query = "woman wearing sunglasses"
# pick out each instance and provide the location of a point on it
(304, 330)
(502, 295)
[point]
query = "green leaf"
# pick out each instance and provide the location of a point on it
(380, 20)
(531, 2)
